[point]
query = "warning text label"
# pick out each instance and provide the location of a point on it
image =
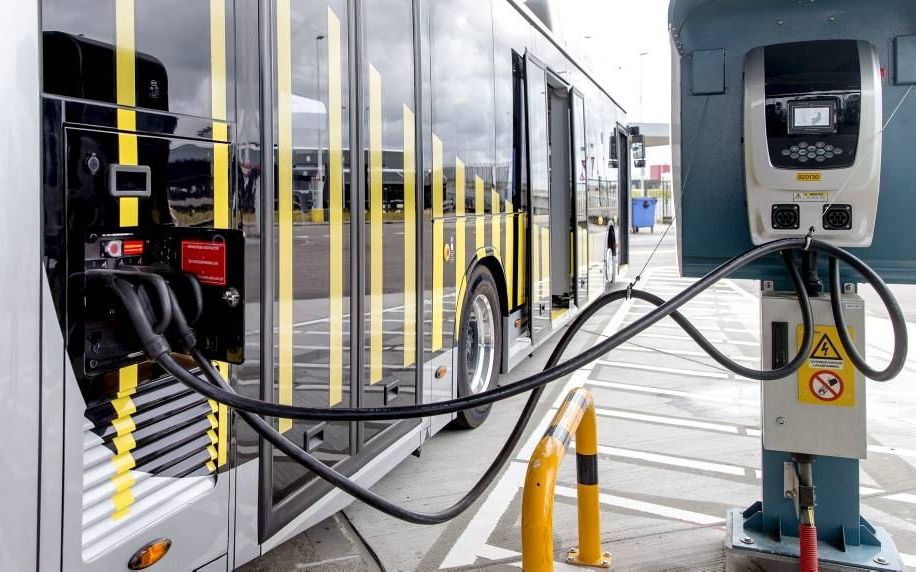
(827, 377)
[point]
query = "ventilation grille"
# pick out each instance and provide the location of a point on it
(145, 454)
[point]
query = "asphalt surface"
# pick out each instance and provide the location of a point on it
(679, 446)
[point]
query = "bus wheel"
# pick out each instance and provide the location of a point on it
(610, 267)
(479, 344)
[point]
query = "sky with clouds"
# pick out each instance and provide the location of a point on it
(609, 36)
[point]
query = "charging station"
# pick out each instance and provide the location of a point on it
(796, 120)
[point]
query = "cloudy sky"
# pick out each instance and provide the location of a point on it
(610, 35)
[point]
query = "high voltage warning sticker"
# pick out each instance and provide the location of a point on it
(825, 353)
(827, 377)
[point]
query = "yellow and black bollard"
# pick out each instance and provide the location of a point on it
(576, 415)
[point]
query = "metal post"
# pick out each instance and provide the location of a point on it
(589, 552)
(576, 415)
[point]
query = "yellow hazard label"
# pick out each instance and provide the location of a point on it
(827, 377)
(815, 197)
(808, 177)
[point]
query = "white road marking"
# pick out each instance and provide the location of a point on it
(466, 548)
(902, 497)
(673, 326)
(647, 507)
(491, 552)
(669, 460)
(694, 396)
(662, 369)
(679, 352)
(685, 337)
(674, 422)
(896, 451)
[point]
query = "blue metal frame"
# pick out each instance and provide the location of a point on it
(712, 216)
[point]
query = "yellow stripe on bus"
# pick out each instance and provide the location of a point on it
(125, 65)
(221, 212)
(410, 239)
(459, 236)
(222, 426)
(509, 253)
(335, 209)
(127, 379)
(125, 38)
(522, 261)
(122, 502)
(535, 264)
(123, 425)
(285, 207)
(218, 58)
(497, 222)
(128, 216)
(438, 244)
(479, 210)
(124, 443)
(545, 263)
(376, 240)
(220, 175)
(123, 481)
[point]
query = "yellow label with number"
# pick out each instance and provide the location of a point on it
(827, 377)
(808, 177)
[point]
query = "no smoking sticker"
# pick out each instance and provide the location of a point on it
(826, 386)
(827, 377)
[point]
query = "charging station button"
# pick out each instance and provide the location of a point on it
(206, 260)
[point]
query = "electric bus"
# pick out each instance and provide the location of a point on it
(396, 201)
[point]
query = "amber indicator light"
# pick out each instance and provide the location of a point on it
(132, 248)
(440, 373)
(150, 554)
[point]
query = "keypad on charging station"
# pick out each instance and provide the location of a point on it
(818, 152)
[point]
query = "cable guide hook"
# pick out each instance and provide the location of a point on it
(809, 237)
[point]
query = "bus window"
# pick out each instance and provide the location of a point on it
(390, 277)
(312, 357)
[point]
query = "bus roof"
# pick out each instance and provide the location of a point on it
(537, 23)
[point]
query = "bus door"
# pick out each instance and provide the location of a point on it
(539, 196)
(623, 173)
(550, 190)
(579, 169)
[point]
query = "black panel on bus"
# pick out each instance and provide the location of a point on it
(75, 66)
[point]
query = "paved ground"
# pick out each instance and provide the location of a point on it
(679, 446)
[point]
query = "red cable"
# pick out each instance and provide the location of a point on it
(807, 544)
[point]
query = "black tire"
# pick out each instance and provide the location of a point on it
(481, 283)
(610, 267)
(610, 256)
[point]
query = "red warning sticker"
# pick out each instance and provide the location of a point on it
(206, 260)
(826, 386)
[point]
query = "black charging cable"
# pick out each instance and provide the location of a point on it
(898, 323)
(665, 309)
(157, 348)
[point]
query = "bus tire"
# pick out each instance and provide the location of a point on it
(610, 267)
(611, 264)
(479, 344)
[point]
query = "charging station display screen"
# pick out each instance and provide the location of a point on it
(809, 117)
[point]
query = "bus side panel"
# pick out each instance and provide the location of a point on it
(20, 303)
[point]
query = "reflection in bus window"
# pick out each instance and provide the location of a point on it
(390, 220)
(312, 234)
